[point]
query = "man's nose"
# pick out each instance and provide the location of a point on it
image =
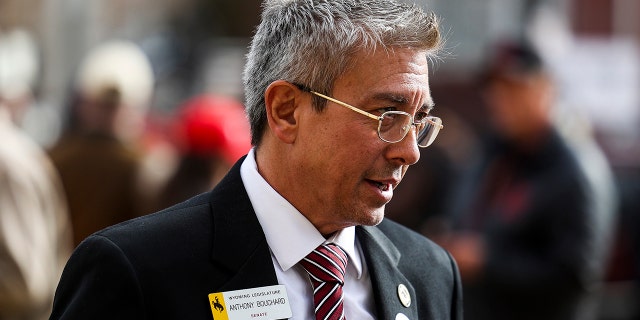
(405, 151)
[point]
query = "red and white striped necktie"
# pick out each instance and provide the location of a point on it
(326, 266)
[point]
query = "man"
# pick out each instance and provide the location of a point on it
(35, 233)
(534, 229)
(101, 146)
(310, 196)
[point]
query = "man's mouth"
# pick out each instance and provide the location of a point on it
(380, 185)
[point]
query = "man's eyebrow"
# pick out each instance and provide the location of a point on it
(391, 97)
(400, 99)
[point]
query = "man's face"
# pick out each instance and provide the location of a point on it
(345, 173)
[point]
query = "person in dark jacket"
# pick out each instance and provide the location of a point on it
(531, 241)
(338, 99)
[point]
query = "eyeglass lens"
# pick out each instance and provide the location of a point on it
(429, 132)
(394, 126)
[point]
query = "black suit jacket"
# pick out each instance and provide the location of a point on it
(164, 265)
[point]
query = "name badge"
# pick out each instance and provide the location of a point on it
(264, 303)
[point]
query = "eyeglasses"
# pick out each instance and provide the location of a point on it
(393, 126)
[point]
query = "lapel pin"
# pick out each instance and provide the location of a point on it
(403, 294)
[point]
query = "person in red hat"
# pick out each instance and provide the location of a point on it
(211, 133)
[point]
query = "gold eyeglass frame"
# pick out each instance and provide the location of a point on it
(436, 122)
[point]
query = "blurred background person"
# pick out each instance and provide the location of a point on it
(211, 133)
(99, 156)
(533, 222)
(35, 239)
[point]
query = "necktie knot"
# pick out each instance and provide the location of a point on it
(327, 263)
(326, 266)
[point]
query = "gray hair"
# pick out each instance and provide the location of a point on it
(311, 43)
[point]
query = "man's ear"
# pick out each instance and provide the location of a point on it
(282, 100)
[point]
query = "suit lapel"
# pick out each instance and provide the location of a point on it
(240, 249)
(382, 259)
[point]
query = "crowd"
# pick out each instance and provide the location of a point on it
(106, 167)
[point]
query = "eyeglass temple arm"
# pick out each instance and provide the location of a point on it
(372, 116)
(362, 112)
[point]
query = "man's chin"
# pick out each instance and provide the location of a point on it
(375, 217)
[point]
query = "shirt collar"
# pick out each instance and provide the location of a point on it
(289, 234)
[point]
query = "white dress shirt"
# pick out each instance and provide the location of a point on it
(291, 237)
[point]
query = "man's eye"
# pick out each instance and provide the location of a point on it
(420, 116)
